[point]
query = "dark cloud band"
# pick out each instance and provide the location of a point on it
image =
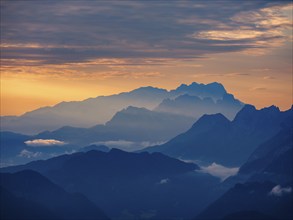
(54, 32)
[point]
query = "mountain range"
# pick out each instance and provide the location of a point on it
(272, 160)
(212, 158)
(99, 110)
(131, 185)
(213, 138)
(194, 106)
(262, 189)
(130, 124)
(116, 181)
(130, 129)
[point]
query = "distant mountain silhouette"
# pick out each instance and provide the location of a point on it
(133, 185)
(130, 124)
(29, 195)
(253, 200)
(213, 138)
(101, 109)
(84, 113)
(196, 107)
(137, 125)
(212, 90)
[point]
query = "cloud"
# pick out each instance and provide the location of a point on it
(44, 143)
(227, 75)
(62, 32)
(271, 17)
(219, 171)
(228, 35)
(269, 77)
(279, 191)
(258, 88)
(190, 161)
(257, 29)
(164, 181)
(29, 154)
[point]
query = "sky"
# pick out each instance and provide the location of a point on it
(53, 51)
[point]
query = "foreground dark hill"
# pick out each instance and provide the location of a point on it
(130, 124)
(29, 195)
(101, 109)
(132, 185)
(213, 138)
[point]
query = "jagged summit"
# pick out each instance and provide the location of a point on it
(271, 108)
(214, 90)
(213, 138)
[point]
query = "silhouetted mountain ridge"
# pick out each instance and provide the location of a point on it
(101, 109)
(195, 106)
(214, 90)
(213, 138)
(130, 124)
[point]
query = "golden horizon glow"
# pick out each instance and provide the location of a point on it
(250, 53)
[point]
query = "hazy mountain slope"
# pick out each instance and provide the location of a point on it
(132, 185)
(131, 129)
(130, 124)
(84, 113)
(26, 188)
(265, 191)
(281, 144)
(99, 110)
(272, 160)
(254, 199)
(213, 138)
